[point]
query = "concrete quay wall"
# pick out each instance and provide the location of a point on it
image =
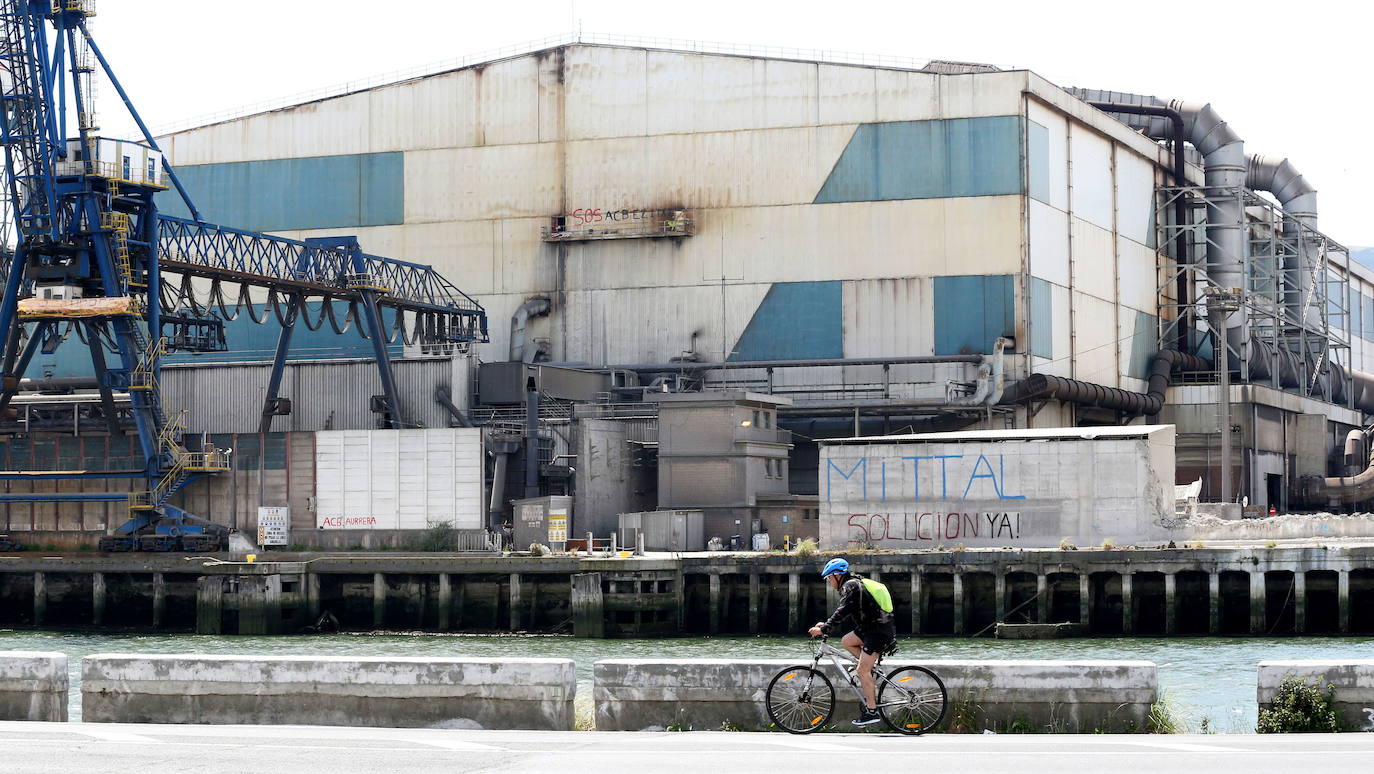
(33, 685)
(1233, 590)
(1353, 682)
(513, 693)
(708, 694)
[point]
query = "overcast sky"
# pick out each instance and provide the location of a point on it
(1292, 78)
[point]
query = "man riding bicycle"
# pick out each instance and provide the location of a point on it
(868, 603)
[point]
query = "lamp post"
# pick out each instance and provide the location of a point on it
(1221, 303)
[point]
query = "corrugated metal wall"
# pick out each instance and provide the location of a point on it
(331, 395)
(749, 146)
(318, 192)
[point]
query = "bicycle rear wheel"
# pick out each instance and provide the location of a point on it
(800, 700)
(912, 700)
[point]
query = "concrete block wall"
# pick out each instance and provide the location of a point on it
(33, 686)
(998, 490)
(704, 694)
(1353, 681)
(513, 693)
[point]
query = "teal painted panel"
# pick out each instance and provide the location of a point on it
(928, 160)
(1144, 344)
(248, 342)
(971, 312)
(795, 320)
(292, 194)
(1042, 317)
(1038, 161)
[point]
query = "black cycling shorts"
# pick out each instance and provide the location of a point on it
(877, 639)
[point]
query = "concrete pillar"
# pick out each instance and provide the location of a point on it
(445, 599)
(713, 617)
(1170, 603)
(1042, 598)
(793, 603)
(999, 585)
(589, 617)
(958, 603)
(1299, 601)
(1085, 598)
(680, 597)
(209, 604)
(1127, 603)
(1214, 603)
(40, 597)
(259, 603)
(159, 598)
(459, 599)
(378, 600)
(516, 604)
(1257, 602)
(755, 603)
(313, 601)
(98, 598)
(1343, 600)
(918, 602)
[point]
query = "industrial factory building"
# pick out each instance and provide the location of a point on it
(698, 263)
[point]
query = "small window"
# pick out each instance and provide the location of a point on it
(152, 170)
(126, 167)
(757, 419)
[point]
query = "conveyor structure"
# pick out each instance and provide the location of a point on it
(93, 256)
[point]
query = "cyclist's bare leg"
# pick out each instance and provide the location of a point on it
(853, 644)
(867, 661)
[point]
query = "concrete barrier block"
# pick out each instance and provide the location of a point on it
(708, 694)
(1352, 679)
(33, 685)
(514, 693)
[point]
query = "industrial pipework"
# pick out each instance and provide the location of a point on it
(1224, 170)
(1045, 387)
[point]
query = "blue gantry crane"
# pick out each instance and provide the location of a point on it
(93, 256)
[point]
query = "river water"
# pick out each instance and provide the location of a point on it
(1205, 680)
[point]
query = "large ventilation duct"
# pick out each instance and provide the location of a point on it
(1044, 387)
(1224, 169)
(1299, 201)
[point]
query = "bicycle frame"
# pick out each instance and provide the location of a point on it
(845, 663)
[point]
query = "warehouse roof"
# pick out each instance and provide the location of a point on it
(1028, 434)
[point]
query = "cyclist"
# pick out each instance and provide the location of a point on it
(869, 604)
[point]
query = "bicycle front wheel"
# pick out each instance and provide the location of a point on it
(912, 700)
(800, 700)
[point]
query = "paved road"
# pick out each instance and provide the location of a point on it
(97, 748)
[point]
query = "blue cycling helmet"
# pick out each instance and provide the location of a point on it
(835, 567)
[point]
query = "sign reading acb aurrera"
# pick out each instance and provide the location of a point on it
(1030, 488)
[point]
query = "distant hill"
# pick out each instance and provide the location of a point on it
(1364, 255)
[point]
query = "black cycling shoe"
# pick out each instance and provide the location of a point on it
(867, 718)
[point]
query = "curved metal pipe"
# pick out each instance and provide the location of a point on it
(1224, 170)
(1299, 200)
(520, 349)
(1043, 387)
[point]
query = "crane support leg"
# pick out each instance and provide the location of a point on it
(102, 378)
(278, 366)
(17, 371)
(373, 317)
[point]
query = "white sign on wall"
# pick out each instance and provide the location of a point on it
(398, 479)
(558, 527)
(274, 525)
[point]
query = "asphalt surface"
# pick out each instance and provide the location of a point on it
(99, 748)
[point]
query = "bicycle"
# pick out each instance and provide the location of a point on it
(801, 699)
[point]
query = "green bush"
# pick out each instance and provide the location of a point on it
(1300, 708)
(439, 536)
(805, 548)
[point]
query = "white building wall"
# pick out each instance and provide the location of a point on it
(745, 144)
